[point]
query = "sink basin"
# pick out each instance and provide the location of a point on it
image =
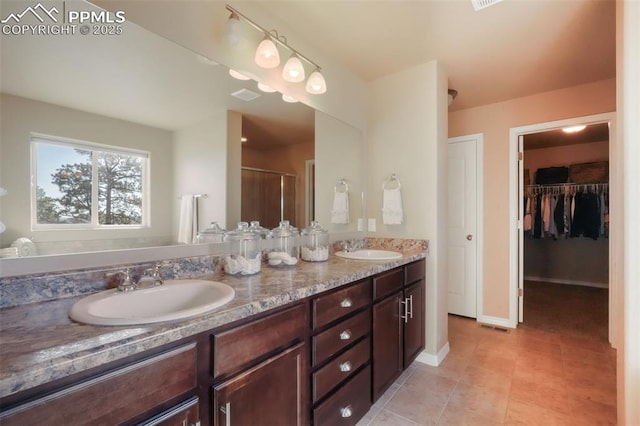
(370, 254)
(175, 299)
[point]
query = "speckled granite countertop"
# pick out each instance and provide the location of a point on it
(39, 343)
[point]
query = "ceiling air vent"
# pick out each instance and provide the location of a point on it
(245, 95)
(481, 4)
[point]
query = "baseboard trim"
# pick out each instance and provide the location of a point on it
(434, 360)
(496, 321)
(567, 282)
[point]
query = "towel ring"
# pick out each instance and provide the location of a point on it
(390, 180)
(342, 184)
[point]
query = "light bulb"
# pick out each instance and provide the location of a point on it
(574, 129)
(238, 75)
(267, 55)
(293, 70)
(265, 88)
(316, 84)
(289, 99)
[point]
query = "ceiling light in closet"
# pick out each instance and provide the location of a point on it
(574, 129)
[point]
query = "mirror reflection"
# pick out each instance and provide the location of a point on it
(141, 95)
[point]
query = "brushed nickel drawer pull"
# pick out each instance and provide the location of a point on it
(346, 366)
(346, 411)
(345, 335)
(404, 307)
(346, 303)
(226, 410)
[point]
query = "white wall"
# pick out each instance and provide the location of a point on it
(200, 164)
(407, 136)
(21, 117)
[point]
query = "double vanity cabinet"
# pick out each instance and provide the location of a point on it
(321, 360)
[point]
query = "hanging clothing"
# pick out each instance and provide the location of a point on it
(586, 218)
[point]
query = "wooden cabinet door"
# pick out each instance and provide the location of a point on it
(387, 343)
(414, 327)
(271, 393)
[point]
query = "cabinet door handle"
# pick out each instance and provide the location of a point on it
(404, 307)
(226, 410)
(410, 300)
(346, 411)
(346, 366)
(345, 335)
(346, 303)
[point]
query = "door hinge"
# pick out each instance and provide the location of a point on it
(520, 292)
(520, 156)
(519, 224)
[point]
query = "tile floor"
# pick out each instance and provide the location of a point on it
(533, 375)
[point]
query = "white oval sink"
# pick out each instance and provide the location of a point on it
(370, 254)
(175, 299)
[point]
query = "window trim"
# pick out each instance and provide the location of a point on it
(36, 138)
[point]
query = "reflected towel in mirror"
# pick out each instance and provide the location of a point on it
(187, 219)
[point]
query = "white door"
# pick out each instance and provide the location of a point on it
(520, 229)
(462, 251)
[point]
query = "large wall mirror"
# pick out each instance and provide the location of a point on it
(140, 93)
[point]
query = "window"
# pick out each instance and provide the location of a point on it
(84, 185)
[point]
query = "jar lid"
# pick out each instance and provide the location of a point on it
(213, 229)
(242, 232)
(284, 230)
(261, 230)
(314, 229)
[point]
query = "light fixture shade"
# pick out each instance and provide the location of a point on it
(265, 88)
(574, 129)
(316, 84)
(289, 99)
(293, 70)
(267, 55)
(233, 30)
(238, 75)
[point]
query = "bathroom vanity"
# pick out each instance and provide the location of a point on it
(316, 344)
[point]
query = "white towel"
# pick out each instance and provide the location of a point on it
(340, 212)
(186, 224)
(392, 207)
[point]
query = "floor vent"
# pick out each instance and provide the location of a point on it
(481, 4)
(496, 328)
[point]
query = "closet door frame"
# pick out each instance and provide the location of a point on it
(615, 212)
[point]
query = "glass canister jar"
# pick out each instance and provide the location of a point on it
(244, 256)
(213, 234)
(284, 242)
(315, 243)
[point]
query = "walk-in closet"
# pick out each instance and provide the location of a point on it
(566, 226)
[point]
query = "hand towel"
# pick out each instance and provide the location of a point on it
(392, 207)
(185, 226)
(340, 212)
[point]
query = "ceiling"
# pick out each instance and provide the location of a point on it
(512, 49)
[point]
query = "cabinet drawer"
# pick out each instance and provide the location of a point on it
(387, 283)
(242, 345)
(339, 369)
(415, 271)
(340, 336)
(330, 307)
(349, 404)
(186, 413)
(115, 397)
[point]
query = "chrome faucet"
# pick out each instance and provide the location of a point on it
(155, 275)
(352, 245)
(127, 284)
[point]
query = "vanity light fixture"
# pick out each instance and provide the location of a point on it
(233, 30)
(289, 99)
(265, 88)
(268, 56)
(451, 93)
(574, 129)
(293, 70)
(238, 75)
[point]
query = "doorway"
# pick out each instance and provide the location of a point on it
(556, 262)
